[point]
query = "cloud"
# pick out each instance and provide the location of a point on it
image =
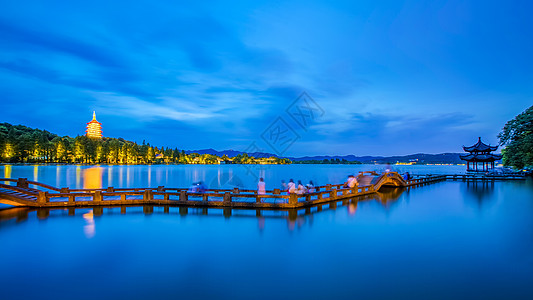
(226, 74)
(145, 111)
(51, 42)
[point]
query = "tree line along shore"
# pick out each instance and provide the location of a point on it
(21, 144)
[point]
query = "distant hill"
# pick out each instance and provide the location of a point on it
(421, 158)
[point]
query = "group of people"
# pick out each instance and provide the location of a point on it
(300, 189)
(351, 182)
(289, 188)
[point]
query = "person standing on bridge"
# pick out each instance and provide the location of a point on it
(301, 188)
(349, 183)
(261, 187)
(311, 187)
(291, 187)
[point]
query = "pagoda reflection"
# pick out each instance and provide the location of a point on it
(481, 191)
(92, 178)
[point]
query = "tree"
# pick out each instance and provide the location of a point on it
(517, 137)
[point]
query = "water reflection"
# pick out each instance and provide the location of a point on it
(78, 176)
(295, 218)
(92, 178)
(388, 196)
(481, 191)
(89, 229)
(352, 208)
(110, 175)
(36, 173)
(7, 172)
(58, 175)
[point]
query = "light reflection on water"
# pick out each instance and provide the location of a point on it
(92, 178)
(448, 240)
(215, 176)
(89, 229)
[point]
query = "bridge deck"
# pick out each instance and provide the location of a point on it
(19, 193)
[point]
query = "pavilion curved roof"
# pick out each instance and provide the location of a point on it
(480, 157)
(480, 147)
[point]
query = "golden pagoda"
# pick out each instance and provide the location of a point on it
(94, 128)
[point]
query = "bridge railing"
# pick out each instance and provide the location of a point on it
(221, 197)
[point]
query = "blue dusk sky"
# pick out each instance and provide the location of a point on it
(387, 77)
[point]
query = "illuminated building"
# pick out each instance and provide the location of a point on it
(94, 128)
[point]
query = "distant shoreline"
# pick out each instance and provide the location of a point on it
(175, 164)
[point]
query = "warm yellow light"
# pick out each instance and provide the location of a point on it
(94, 128)
(9, 151)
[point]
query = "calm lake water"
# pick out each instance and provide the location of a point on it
(448, 240)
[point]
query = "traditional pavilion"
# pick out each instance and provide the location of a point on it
(94, 128)
(480, 153)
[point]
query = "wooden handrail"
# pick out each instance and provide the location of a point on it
(211, 197)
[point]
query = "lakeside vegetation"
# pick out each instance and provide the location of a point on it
(21, 144)
(517, 137)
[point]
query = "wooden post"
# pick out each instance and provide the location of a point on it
(227, 198)
(205, 198)
(236, 190)
(71, 199)
(276, 192)
(97, 196)
(166, 196)
(148, 195)
(110, 189)
(22, 183)
(123, 210)
(328, 187)
(42, 198)
(183, 196)
(166, 209)
(293, 199)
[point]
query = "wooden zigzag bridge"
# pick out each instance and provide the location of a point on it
(22, 192)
